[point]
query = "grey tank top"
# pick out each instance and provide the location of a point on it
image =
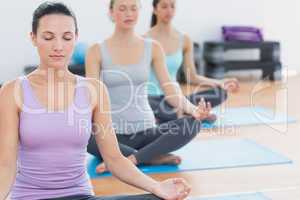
(127, 88)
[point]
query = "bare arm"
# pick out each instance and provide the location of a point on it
(9, 122)
(193, 78)
(93, 62)
(171, 89)
(107, 143)
(189, 66)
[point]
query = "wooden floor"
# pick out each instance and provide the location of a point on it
(279, 182)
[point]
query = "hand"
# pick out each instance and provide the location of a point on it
(172, 189)
(202, 111)
(230, 85)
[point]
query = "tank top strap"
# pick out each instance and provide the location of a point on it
(105, 55)
(29, 99)
(148, 50)
(181, 40)
(81, 96)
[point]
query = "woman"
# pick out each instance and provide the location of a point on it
(123, 63)
(179, 50)
(46, 119)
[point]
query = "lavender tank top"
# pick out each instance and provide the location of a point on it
(52, 148)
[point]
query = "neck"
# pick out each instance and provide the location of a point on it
(51, 74)
(123, 36)
(164, 28)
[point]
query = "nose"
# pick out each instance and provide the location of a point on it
(129, 12)
(58, 45)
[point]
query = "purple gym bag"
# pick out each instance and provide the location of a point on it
(242, 34)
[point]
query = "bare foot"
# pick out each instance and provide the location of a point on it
(168, 159)
(101, 168)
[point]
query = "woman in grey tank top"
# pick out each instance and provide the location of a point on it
(180, 60)
(123, 62)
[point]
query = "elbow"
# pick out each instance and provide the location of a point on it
(114, 161)
(191, 79)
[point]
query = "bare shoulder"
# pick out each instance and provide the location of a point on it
(187, 41)
(9, 88)
(10, 94)
(156, 46)
(94, 50)
(157, 51)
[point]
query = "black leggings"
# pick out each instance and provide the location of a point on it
(164, 112)
(151, 143)
(129, 197)
(170, 135)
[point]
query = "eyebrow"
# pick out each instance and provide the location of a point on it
(124, 5)
(49, 32)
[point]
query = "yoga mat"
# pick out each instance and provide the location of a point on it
(243, 116)
(211, 154)
(255, 196)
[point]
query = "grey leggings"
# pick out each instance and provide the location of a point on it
(164, 112)
(88, 197)
(147, 145)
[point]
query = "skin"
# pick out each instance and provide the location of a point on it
(165, 33)
(55, 40)
(126, 47)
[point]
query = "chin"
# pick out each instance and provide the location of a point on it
(58, 65)
(129, 26)
(168, 21)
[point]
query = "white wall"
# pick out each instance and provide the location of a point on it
(201, 19)
(282, 23)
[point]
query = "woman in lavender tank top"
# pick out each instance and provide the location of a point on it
(46, 119)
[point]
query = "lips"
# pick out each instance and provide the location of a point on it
(57, 57)
(128, 21)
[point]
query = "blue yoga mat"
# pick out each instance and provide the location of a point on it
(211, 154)
(243, 116)
(256, 196)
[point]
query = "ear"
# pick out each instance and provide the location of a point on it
(33, 38)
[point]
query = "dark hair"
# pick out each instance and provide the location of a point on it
(154, 18)
(111, 4)
(48, 8)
